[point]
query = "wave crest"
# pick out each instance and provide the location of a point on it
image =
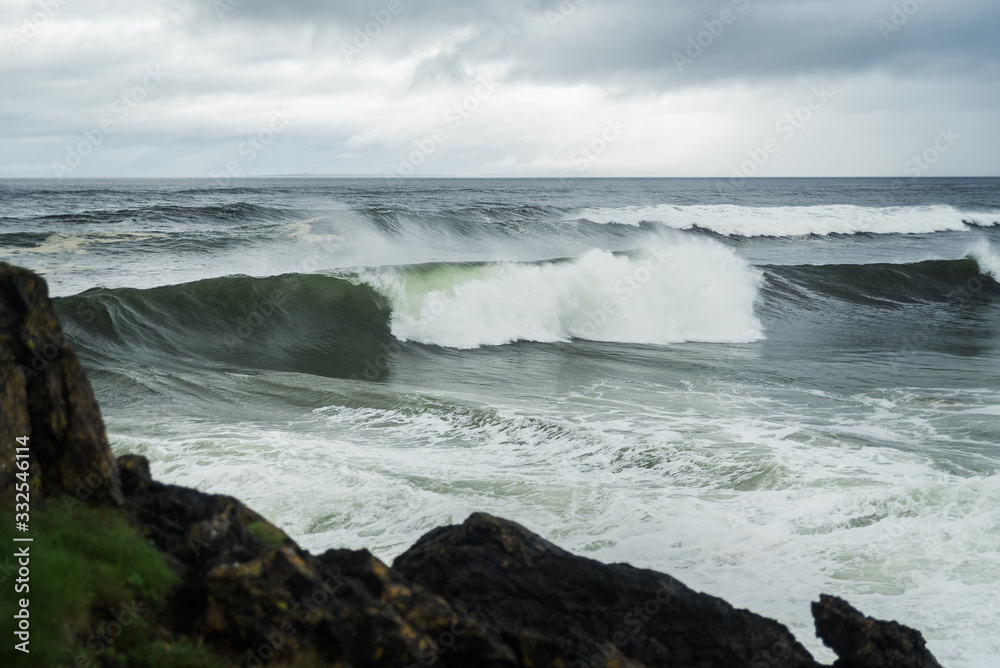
(689, 291)
(987, 258)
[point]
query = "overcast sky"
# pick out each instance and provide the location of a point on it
(491, 87)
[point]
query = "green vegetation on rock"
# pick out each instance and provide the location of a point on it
(96, 588)
(267, 532)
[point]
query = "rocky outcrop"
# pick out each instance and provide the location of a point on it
(45, 396)
(250, 591)
(486, 593)
(553, 606)
(863, 642)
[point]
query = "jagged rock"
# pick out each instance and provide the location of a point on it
(458, 637)
(14, 421)
(250, 590)
(863, 642)
(46, 396)
(555, 608)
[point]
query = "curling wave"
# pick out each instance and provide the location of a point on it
(694, 291)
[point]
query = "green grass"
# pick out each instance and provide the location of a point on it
(88, 567)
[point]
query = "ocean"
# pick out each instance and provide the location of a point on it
(767, 388)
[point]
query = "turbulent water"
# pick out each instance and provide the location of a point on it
(769, 389)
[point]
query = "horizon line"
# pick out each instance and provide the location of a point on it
(393, 177)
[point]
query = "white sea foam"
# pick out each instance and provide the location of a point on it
(987, 258)
(790, 221)
(729, 490)
(679, 291)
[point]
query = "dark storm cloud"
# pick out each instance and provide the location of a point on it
(637, 40)
(367, 79)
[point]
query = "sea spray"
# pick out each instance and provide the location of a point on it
(680, 291)
(987, 258)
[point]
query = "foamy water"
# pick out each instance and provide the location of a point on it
(673, 292)
(988, 258)
(755, 507)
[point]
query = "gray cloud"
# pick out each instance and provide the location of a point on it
(362, 100)
(563, 39)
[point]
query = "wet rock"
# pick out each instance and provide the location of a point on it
(863, 642)
(45, 395)
(555, 608)
(250, 590)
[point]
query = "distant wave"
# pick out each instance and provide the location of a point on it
(174, 213)
(885, 285)
(787, 221)
(22, 239)
(110, 241)
(472, 232)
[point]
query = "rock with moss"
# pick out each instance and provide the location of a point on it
(251, 591)
(46, 397)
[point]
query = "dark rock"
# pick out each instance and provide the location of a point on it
(135, 474)
(555, 608)
(863, 642)
(245, 585)
(46, 396)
